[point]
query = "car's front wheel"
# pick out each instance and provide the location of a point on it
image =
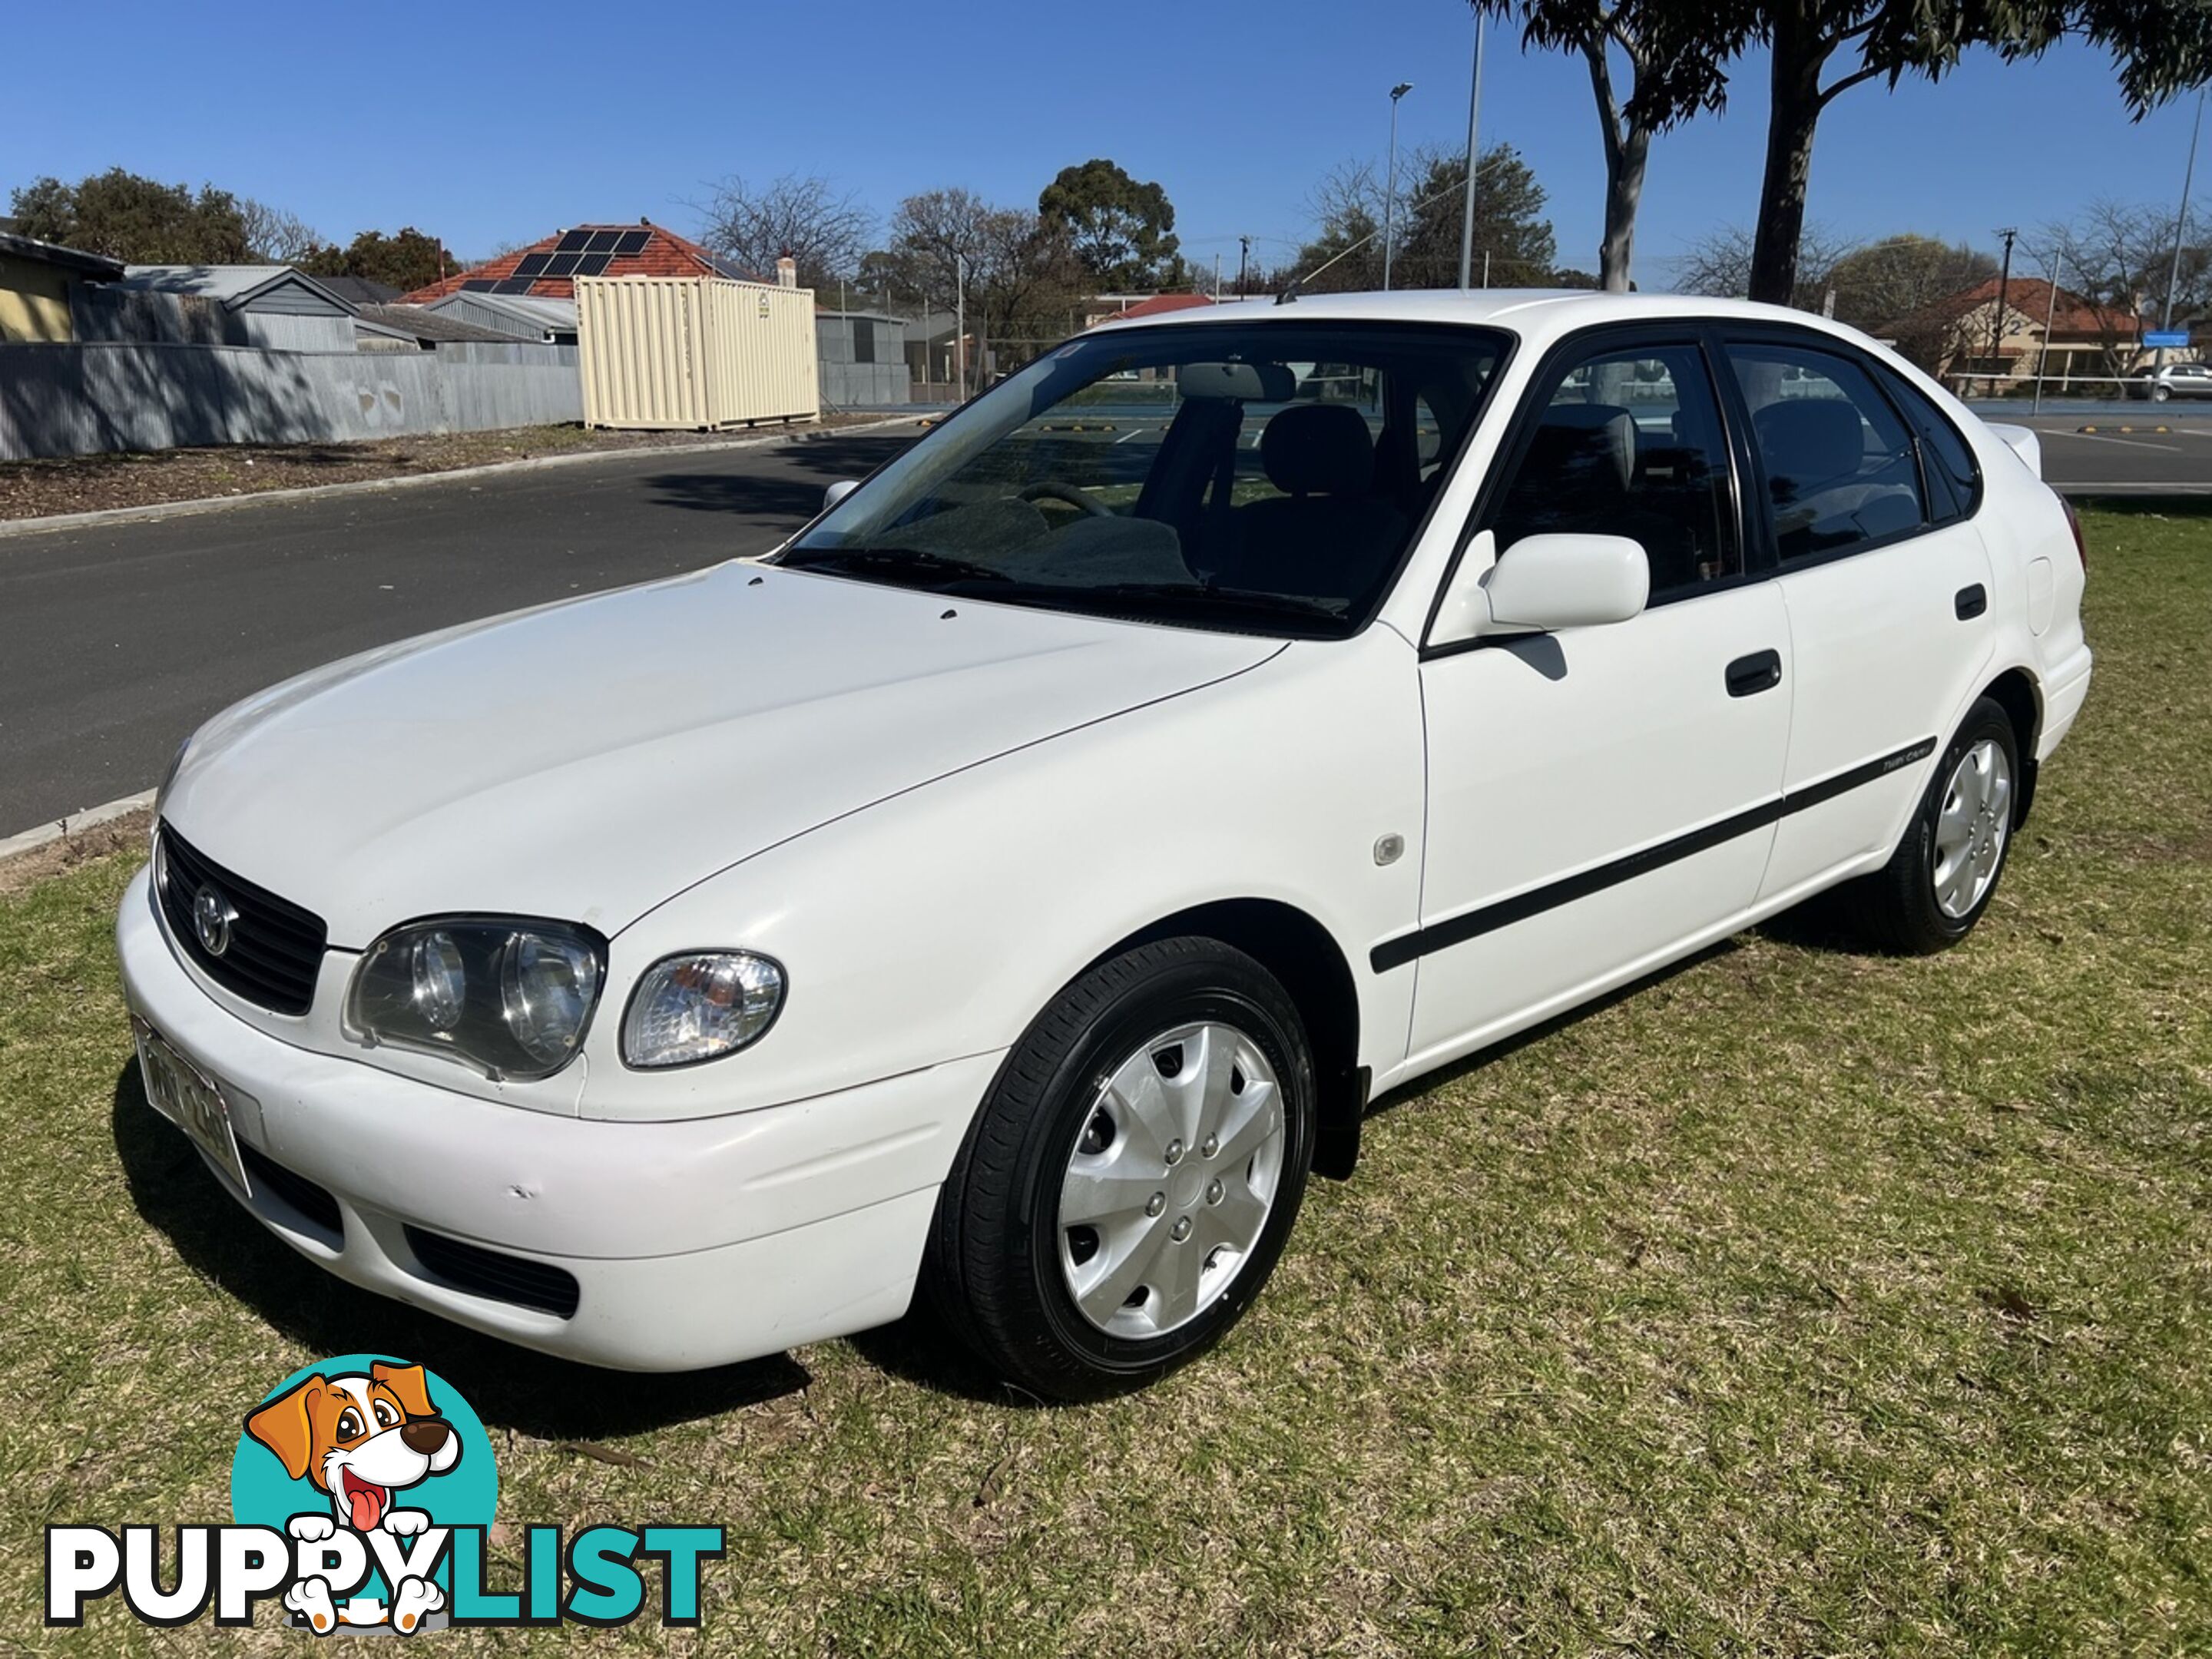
(2159, 394)
(1127, 1186)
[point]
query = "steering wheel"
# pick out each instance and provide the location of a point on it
(1068, 494)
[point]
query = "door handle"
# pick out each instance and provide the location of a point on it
(1759, 671)
(1971, 602)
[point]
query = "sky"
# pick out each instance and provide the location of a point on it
(493, 124)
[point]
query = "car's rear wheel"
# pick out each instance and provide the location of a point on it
(1945, 870)
(1127, 1186)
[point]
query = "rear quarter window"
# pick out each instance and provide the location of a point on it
(1954, 482)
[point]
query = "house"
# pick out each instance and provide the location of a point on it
(38, 283)
(360, 291)
(413, 328)
(274, 308)
(1131, 307)
(547, 269)
(2066, 336)
(517, 316)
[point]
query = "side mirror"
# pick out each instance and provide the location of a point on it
(838, 491)
(1542, 584)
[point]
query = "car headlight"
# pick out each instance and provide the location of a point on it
(700, 1006)
(511, 997)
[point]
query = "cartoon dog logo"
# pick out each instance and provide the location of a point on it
(362, 1438)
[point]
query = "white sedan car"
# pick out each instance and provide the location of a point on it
(1015, 886)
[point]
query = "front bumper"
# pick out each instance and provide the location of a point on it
(694, 1243)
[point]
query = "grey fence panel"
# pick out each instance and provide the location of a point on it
(850, 385)
(86, 398)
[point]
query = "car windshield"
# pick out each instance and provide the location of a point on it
(1258, 475)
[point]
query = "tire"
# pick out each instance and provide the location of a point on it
(2159, 394)
(1931, 892)
(1007, 1252)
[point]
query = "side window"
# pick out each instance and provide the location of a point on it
(1840, 465)
(1947, 462)
(1630, 443)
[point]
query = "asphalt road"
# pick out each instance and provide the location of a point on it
(116, 642)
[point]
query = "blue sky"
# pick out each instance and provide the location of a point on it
(494, 125)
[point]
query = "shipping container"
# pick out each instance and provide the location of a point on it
(684, 352)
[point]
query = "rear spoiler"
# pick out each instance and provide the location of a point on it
(2023, 442)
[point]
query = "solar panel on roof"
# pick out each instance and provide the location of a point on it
(602, 241)
(574, 242)
(633, 241)
(513, 285)
(593, 263)
(476, 285)
(531, 263)
(561, 264)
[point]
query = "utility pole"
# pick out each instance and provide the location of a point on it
(2049, 317)
(2004, 293)
(960, 320)
(1217, 279)
(1243, 260)
(1390, 195)
(2181, 224)
(1473, 119)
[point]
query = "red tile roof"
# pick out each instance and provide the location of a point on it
(665, 254)
(2030, 296)
(1159, 306)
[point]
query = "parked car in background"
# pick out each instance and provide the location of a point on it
(2173, 381)
(1014, 887)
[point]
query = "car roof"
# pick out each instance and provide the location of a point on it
(1535, 313)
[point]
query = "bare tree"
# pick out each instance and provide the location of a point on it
(1019, 272)
(800, 214)
(2119, 256)
(1719, 264)
(276, 234)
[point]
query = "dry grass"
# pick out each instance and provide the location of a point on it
(1800, 1302)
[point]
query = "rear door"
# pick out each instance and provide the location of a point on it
(1886, 582)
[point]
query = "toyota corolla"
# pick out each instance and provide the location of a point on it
(1011, 889)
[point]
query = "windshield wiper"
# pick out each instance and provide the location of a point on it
(1227, 598)
(893, 562)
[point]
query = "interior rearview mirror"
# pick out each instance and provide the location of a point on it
(838, 491)
(1542, 584)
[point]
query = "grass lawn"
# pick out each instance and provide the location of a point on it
(1802, 1301)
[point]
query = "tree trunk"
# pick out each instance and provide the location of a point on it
(1799, 54)
(1624, 191)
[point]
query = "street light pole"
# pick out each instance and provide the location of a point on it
(1473, 118)
(960, 320)
(1390, 195)
(2181, 224)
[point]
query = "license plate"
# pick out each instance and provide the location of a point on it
(191, 1100)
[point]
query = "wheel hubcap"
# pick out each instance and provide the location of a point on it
(1172, 1180)
(1971, 827)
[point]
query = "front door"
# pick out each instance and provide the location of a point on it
(1601, 799)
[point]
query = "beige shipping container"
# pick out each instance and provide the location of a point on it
(692, 352)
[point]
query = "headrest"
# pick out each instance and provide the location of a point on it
(1247, 383)
(1588, 449)
(1810, 439)
(1319, 449)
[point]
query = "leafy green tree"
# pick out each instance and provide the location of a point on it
(137, 220)
(407, 260)
(1675, 53)
(1122, 230)
(2160, 47)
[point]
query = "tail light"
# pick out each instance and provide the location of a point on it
(2074, 524)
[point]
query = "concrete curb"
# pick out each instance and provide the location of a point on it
(13, 527)
(76, 823)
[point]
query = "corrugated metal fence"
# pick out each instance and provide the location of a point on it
(86, 398)
(693, 352)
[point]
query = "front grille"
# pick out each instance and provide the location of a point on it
(480, 1272)
(275, 948)
(312, 1203)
